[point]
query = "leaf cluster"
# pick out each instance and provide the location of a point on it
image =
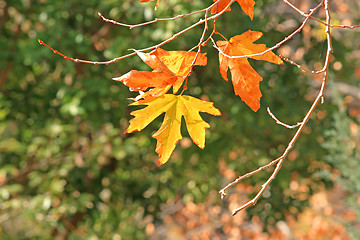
(172, 69)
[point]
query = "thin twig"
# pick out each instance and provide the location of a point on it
(201, 21)
(281, 123)
(206, 27)
(86, 61)
(341, 26)
(249, 174)
(299, 66)
(287, 38)
(132, 26)
(318, 20)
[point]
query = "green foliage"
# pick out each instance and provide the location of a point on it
(341, 142)
(66, 167)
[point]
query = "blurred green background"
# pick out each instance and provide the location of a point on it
(68, 171)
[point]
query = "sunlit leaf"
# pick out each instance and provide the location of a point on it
(246, 5)
(244, 78)
(175, 107)
(170, 69)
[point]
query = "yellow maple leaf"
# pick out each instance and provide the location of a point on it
(175, 107)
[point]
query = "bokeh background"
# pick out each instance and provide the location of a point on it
(68, 171)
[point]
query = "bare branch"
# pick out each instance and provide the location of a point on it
(86, 61)
(254, 200)
(318, 20)
(279, 161)
(201, 21)
(312, 11)
(132, 26)
(249, 174)
(281, 123)
(341, 26)
(206, 27)
(299, 66)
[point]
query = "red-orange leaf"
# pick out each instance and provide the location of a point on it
(170, 68)
(179, 62)
(246, 5)
(154, 62)
(244, 78)
(141, 80)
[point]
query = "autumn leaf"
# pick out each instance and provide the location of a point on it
(175, 107)
(246, 5)
(154, 62)
(244, 78)
(179, 62)
(157, 2)
(170, 68)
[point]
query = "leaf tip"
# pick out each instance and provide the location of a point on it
(162, 161)
(255, 108)
(127, 131)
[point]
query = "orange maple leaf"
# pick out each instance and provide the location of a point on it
(179, 62)
(244, 78)
(157, 2)
(170, 68)
(246, 5)
(175, 107)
